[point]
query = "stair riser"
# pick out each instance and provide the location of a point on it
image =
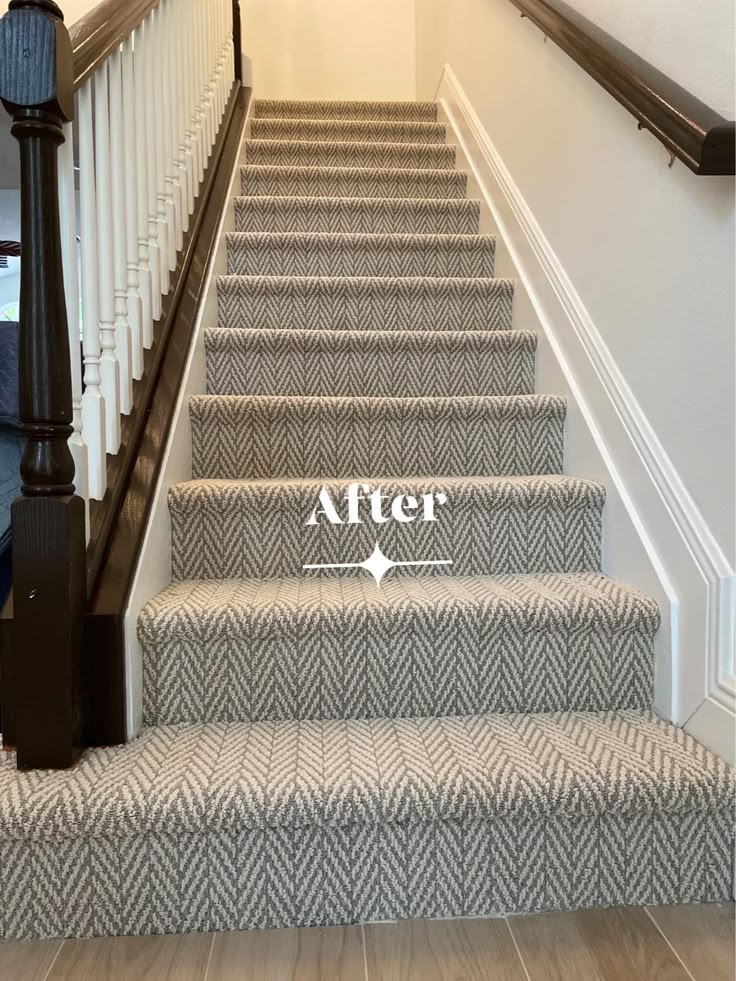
(347, 131)
(369, 304)
(375, 216)
(336, 182)
(457, 258)
(370, 666)
(397, 156)
(388, 111)
(288, 877)
(264, 533)
(251, 439)
(291, 362)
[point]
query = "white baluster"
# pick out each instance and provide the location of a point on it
(194, 93)
(93, 402)
(226, 70)
(212, 63)
(149, 260)
(164, 230)
(201, 57)
(123, 353)
(156, 238)
(138, 286)
(230, 44)
(109, 368)
(172, 191)
(184, 160)
(70, 261)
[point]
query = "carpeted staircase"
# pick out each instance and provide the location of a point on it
(460, 739)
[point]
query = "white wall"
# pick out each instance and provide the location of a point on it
(330, 49)
(649, 249)
(629, 265)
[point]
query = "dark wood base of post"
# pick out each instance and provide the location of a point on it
(49, 601)
(7, 681)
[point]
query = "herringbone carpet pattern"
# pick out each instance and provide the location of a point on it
(369, 362)
(229, 826)
(385, 738)
(288, 212)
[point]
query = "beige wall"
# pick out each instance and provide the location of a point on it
(330, 49)
(693, 43)
(649, 249)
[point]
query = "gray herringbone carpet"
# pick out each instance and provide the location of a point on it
(466, 738)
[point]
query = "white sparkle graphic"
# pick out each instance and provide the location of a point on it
(377, 564)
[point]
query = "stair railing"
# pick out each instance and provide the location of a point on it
(115, 120)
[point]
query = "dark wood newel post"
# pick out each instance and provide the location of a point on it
(49, 576)
(237, 42)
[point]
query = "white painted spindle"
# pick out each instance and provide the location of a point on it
(109, 368)
(123, 352)
(93, 402)
(138, 293)
(70, 262)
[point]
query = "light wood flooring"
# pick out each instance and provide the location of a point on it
(683, 943)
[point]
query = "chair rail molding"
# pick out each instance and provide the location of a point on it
(694, 682)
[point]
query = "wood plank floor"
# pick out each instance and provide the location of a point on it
(667, 943)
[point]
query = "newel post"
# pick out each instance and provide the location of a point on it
(49, 592)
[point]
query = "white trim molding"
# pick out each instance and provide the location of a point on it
(695, 667)
(154, 565)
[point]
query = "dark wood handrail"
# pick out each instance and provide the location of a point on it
(694, 133)
(96, 35)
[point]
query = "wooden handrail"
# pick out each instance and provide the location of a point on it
(96, 35)
(694, 133)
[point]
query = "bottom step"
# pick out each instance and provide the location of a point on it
(274, 824)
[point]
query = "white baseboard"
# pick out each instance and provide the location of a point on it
(655, 536)
(154, 565)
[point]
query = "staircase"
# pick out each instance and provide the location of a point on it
(460, 739)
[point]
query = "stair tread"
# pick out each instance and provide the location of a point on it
(348, 130)
(366, 302)
(367, 339)
(554, 404)
(344, 109)
(359, 238)
(354, 255)
(207, 605)
(196, 492)
(434, 156)
(307, 179)
(218, 776)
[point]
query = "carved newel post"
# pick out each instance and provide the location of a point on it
(49, 577)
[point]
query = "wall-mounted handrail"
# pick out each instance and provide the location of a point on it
(692, 132)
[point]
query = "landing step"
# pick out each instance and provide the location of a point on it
(315, 254)
(318, 109)
(364, 303)
(252, 436)
(351, 181)
(276, 824)
(484, 525)
(348, 130)
(370, 362)
(305, 153)
(377, 215)
(417, 646)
